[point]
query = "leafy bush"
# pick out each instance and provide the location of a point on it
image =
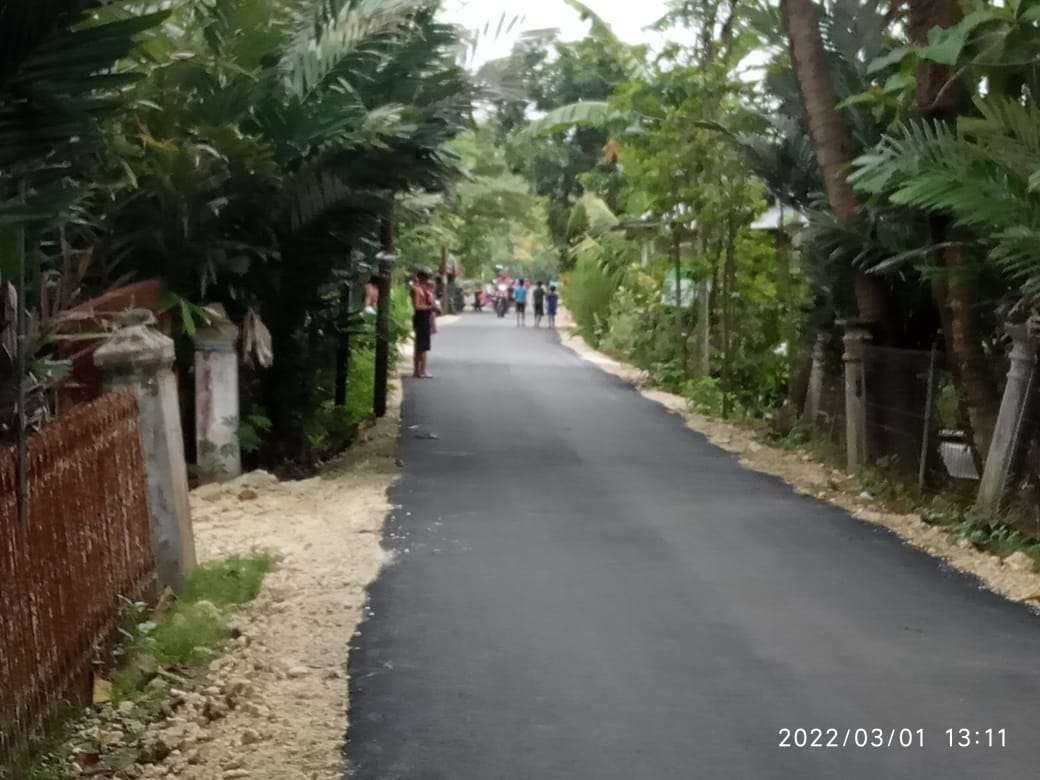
(588, 293)
(251, 430)
(636, 319)
(704, 395)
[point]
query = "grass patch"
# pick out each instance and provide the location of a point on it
(45, 762)
(193, 630)
(228, 582)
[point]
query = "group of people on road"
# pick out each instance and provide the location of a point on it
(544, 302)
(504, 292)
(425, 308)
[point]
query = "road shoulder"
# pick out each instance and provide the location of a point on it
(1013, 577)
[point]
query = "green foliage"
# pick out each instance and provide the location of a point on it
(251, 430)
(588, 294)
(189, 633)
(569, 82)
(489, 217)
(243, 152)
(989, 534)
(227, 582)
(704, 395)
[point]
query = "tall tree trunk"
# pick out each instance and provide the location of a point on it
(938, 100)
(831, 139)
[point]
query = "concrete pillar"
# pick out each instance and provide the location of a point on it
(817, 375)
(216, 398)
(856, 337)
(139, 358)
(1010, 437)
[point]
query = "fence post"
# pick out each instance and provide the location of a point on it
(816, 377)
(856, 336)
(1009, 438)
(139, 358)
(216, 398)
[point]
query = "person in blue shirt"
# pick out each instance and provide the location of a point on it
(551, 300)
(520, 299)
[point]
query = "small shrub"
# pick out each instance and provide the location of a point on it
(194, 629)
(251, 430)
(704, 395)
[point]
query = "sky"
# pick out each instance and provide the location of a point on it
(626, 17)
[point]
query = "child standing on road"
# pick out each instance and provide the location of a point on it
(551, 301)
(520, 299)
(539, 304)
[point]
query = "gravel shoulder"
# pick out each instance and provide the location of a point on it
(286, 670)
(1012, 577)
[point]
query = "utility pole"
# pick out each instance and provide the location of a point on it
(728, 279)
(444, 280)
(22, 328)
(680, 331)
(382, 367)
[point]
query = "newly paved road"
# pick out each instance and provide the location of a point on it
(586, 589)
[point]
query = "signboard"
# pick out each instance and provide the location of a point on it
(687, 291)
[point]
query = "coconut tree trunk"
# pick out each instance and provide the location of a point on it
(938, 99)
(831, 139)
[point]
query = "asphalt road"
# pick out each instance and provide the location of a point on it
(584, 588)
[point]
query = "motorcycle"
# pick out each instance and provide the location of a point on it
(502, 301)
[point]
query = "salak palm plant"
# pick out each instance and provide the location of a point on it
(274, 136)
(61, 81)
(985, 172)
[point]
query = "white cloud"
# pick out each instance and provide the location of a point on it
(627, 18)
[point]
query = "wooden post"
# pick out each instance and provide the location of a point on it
(679, 330)
(382, 367)
(926, 434)
(343, 346)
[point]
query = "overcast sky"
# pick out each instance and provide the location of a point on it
(626, 17)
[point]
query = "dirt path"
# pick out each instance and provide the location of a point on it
(1012, 577)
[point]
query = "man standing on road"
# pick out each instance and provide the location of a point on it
(423, 303)
(520, 299)
(539, 304)
(552, 300)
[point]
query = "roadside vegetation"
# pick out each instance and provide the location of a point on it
(163, 647)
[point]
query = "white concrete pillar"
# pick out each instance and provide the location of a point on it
(817, 374)
(139, 358)
(856, 337)
(216, 398)
(1010, 436)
